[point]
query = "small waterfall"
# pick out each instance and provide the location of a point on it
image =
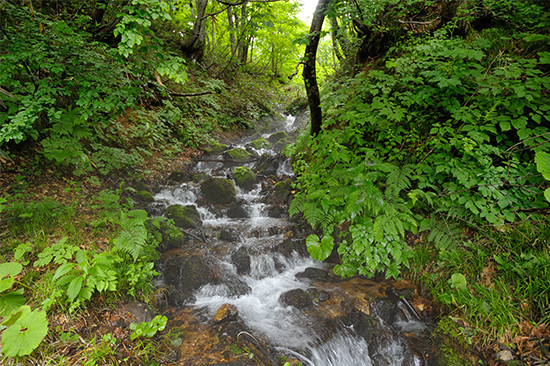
(268, 273)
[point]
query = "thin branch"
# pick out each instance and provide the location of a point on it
(296, 71)
(189, 94)
(416, 22)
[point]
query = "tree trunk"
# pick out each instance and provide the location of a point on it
(309, 74)
(195, 44)
(232, 31)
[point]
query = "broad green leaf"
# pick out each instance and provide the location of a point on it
(62, 270)
(10, 269)
(319, 249)
(542, 160)
(74, 288)
(458, 281)
(10, 302)
(25, 334)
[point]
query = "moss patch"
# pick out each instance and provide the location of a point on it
(244, 177)
(219, 190)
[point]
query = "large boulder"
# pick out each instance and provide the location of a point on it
(186, 217)
(244, 177)
(219, 190)
(237, 155)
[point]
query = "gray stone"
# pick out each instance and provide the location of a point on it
(236, 211)
(241, 260)
(298, 298)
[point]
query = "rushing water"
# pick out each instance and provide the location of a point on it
(289, 330)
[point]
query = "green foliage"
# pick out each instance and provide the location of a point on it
(441, 136)
(148, 329)
(542, 160)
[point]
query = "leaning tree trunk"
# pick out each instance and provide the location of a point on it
(309, 74)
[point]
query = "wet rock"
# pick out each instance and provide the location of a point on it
(364, 325)
(216, 149)
(238, 155)
(298, 298)
(244, 177)
(219, 190)
(177, 176)
(261, 143)
(237, 287)
(267, 165)
(315, 274)
(384, 309)
(236, 211)
(187, 274)
(186, 217)
(319, 295)
(172, 237)
(144, 196)
(282, 191)
(229, 234)
(273, 138)
(226, 312)
(241, 260)
(277, 211)
(290, 245)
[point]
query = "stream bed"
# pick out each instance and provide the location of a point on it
(243, 268)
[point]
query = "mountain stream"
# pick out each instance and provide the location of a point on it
(244, 263)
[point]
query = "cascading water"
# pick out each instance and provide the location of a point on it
(258, 288)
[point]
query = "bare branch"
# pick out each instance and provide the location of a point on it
(189, 94)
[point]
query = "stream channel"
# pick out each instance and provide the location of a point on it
(244, 267)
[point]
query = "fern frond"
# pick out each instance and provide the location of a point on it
(133, 238)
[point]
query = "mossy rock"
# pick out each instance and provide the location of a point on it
(216, 149)
(273, 138)
(282, 190)
(172, 237)
(186, 217)
(261, 143)
(244, 177)
(144, 196)
(281, 144)
(238, 155)
(219, 190)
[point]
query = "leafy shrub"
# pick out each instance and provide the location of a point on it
(441, 134)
